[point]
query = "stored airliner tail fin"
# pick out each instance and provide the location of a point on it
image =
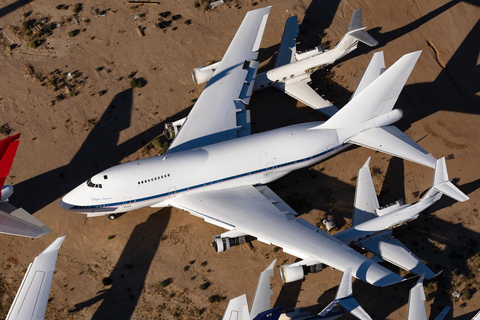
(261, 298)
(375, 69)
(8, 148)
(366, 201)
(237, 308)
(441, 184)
(376, 99)
(32, 297)
(344, 299)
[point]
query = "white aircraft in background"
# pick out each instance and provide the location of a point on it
(12, 220)
(237, 308)
(292, 70)
(32, 297)
(372, 225)
(216, 170)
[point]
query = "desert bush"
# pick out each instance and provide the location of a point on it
(71, 34)
(33, 44)
(8, 47)
(204, 285)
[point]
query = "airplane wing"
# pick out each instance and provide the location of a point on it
(365, 197)
(375, 68)
(261, 299)
(32, 297)
(288, 46)
(237, 309)
(393, 251)
(416, 304)
(219, 113)
(301, 91)
(392, 140)
(20, 223)
(246, 209)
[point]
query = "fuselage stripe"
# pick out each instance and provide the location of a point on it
(286, 164)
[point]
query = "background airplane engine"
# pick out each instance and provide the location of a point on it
(291, 273)
(223, 244)
(203, 74)
(7, 191)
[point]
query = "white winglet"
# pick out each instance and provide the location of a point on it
(32, 297)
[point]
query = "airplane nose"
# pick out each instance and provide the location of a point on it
(65, 205)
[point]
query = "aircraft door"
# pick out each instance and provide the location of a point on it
(172, 192)
(127, 202)
(270, 167)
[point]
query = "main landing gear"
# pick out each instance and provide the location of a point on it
(112, 216)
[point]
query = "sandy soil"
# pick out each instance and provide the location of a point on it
(105, 122)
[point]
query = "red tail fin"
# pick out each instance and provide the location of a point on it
(8, 148)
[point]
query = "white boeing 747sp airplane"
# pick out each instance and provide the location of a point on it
(216, 170)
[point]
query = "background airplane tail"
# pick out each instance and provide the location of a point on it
(356, 32)
(8, 148)
(442, 185)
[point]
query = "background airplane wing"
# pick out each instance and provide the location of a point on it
(237, 309)
(365, 197)
(246, 209)
(219, 113)
(288, 46)
(301, 91)
(32, 297)
(416, 304)
(20, 223)
(393, 251)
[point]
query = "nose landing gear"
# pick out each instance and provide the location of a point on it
(112, 216)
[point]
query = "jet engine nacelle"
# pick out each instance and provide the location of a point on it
(7, 191)
(203, 74)
(292, 273)
(223, 244)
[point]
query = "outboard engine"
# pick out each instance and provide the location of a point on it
(203, 74)
(291, 273)
(223, 244)
(6, 192)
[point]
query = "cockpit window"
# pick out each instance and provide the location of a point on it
(93, 185)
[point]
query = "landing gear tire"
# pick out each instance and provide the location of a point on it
(112, 216)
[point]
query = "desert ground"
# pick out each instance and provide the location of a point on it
(150, 263)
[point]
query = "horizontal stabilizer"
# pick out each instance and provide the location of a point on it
(20, 223)
(375, 68)
(416, 304)
(378, 98)
(261, 299)
(443, 185)
(302, 92)
(365, 196)
(393, 251)
(363, 36)
(237, 309)
(287, 50)
(391, 140)
(32, 297)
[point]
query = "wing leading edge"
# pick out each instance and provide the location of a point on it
(220, 113)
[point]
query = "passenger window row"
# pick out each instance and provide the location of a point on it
(154, 179)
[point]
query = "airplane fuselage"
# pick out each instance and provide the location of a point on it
(255, 159)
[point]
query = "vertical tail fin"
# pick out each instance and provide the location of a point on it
(8, 148)
(378, 98)
(441, 184)
(344, 298)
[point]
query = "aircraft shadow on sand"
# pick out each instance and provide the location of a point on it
(99, 151)
(13, 6)
(129, 274)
